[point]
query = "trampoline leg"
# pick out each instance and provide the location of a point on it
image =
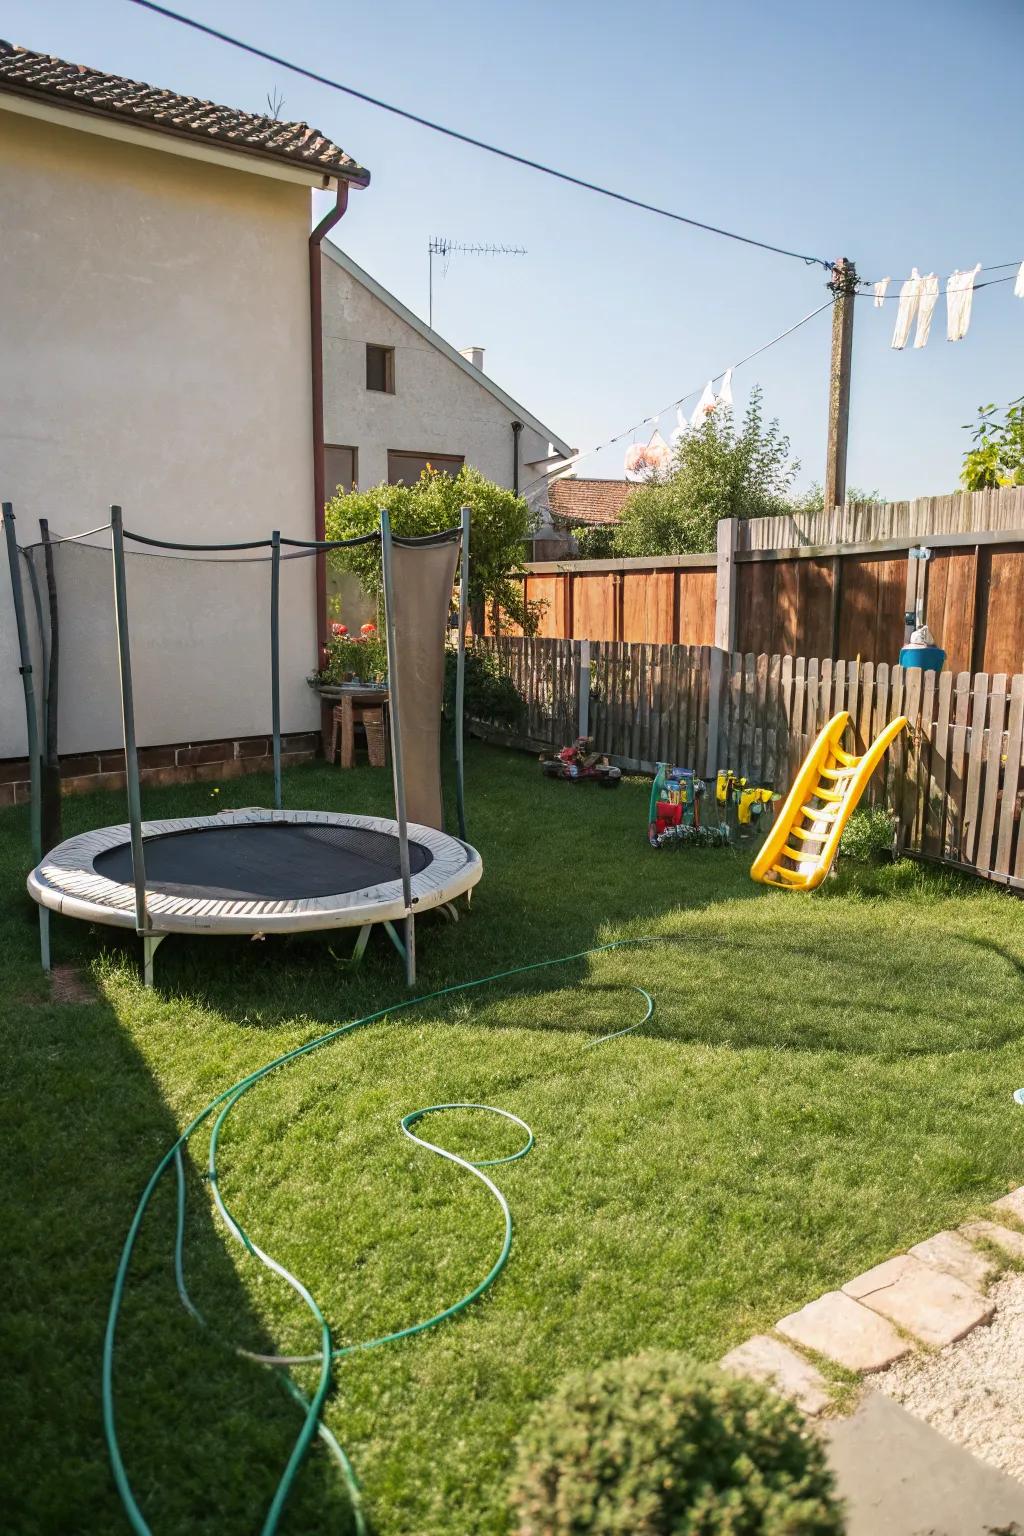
(359, 948)
(449, 910)
(150, 944)
(406, 947)
(44, 938)
(410, 950)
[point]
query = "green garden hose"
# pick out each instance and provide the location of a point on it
(312, 1407)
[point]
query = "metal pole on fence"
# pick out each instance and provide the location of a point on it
(275, 658)
(583, 721)
(131, 756)
(28, 685)
(397, 764)
(460, 680)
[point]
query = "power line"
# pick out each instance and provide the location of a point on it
(465, 138)
(656, 416)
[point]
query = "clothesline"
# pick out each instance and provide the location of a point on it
(995, 266)
(992, 281)
(652, 420)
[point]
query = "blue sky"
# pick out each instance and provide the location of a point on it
(886, 133)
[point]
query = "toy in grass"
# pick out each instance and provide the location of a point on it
(751, 806)
(581, 765)
(674, 819)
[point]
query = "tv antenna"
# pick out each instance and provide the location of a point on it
(440, 245)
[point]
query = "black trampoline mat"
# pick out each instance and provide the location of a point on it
(264, 861)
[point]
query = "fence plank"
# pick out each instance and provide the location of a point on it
(934, 838)
(991, 774)
(1010, 812)
(975, 758)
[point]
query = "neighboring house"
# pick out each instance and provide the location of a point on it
(583, 503)
(160, 348)
(397, 396)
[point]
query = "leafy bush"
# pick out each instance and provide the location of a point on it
(595, 541)
(718, 470)
(491, 697)
(501, 523)
(997, 457)
(813, 499)
(659, 1446)
(869, 836)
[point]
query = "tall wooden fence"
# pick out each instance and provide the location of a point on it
(955, 780)
(836, 584)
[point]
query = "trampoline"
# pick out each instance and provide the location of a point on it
(269, 871)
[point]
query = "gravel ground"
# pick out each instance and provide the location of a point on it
(973, 1392)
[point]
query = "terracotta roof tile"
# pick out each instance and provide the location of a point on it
(90, 90)
(576, 502)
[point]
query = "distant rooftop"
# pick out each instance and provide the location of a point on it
(576, 502)
(37, 75)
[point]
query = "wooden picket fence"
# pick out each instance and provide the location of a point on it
(955, 780)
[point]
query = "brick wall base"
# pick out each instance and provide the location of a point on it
(184, 763)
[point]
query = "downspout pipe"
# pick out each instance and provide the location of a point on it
(517, 428)
(316, 340)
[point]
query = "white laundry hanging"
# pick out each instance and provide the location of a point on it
(880, 291)
(1018, 287)
(910, 295)
(959, 298)
(681, 428)
(705, 405)
(646, 459)
(929, 297)
(725, 393)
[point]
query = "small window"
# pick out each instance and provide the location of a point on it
(406, 468)
(340, 471)
(380, 369)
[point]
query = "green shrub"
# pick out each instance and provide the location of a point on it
(595, 541)
(659, 1446)
(869, 836)
(491, 697)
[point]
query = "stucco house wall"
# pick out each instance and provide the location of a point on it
(438, 406)
(154, 352)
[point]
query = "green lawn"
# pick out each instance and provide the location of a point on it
(825, 1080)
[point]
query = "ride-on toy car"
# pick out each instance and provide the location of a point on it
(580, 765)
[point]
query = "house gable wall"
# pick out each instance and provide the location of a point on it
(154, 352)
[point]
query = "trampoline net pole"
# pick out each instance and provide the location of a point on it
(51, 801)
(395, 711)
(275, 658)
(25, 667)
(460, 680)
(131, 756)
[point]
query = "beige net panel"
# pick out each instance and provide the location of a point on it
(200, 647)
(423, 576)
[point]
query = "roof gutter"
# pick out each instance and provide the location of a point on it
(316, 339)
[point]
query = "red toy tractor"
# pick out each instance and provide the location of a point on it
(580, 765)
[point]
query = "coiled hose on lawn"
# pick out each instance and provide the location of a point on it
(312, 1407)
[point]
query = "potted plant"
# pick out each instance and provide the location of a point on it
(351, 658)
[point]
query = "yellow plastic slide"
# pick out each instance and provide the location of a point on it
(798, 851)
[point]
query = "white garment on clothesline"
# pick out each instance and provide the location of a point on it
(725, 393)
(681, 428)
(880, 291)
(705, 405)
(910, 295)
(959, 297)
(1018, 287)
(929, 297)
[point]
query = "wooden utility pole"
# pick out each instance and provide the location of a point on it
(843, 284)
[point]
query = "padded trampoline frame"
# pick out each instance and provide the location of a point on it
(66, 880)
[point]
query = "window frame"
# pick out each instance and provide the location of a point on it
(389, 368)
(446, 462)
